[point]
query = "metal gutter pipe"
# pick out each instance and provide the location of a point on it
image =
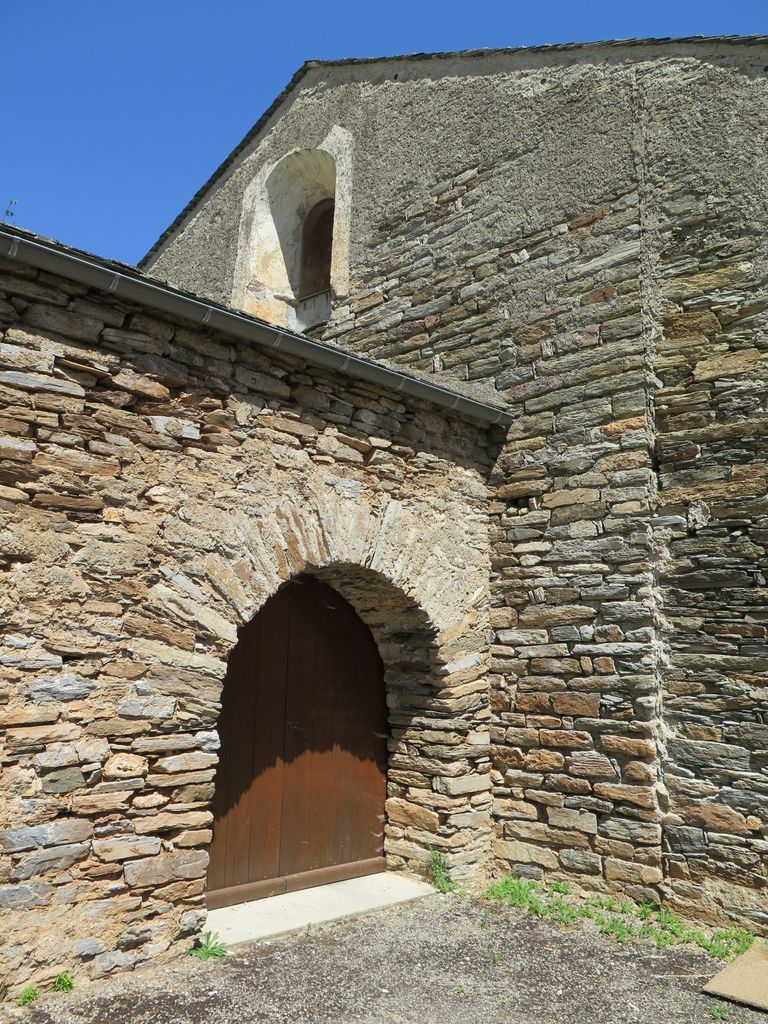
(133, 287)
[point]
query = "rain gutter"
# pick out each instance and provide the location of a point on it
(131, 286)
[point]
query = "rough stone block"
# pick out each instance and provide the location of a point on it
(57, 833)
(125, 766)
(62, 780)
(25, 897)
(514, 852)
(126, 847)
(462, 785)
(581, 861)
(630, 871)
(57, 858)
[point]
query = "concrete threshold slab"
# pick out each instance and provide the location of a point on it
(293, 911)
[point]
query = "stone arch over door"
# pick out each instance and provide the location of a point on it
(437, 771)
(419, 583)
(193, 559)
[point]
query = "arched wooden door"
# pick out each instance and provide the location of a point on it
(301, 783)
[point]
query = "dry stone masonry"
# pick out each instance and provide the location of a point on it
(574, 624)
(583, 229)
(158, 483)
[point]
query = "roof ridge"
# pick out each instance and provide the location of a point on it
(749, 40)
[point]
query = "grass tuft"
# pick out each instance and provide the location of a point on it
(439, 873)
(515, 891)
(620, 919)
(63, 982)
(29, 995)
(210, 947)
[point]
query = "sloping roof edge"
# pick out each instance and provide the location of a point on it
(608, 44)
(127, 283)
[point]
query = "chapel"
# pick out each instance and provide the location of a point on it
(409, 497)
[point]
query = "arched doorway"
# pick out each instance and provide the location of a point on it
(301, 783)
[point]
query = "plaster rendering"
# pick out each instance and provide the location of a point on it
(275, 205)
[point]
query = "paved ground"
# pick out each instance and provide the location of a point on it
(292, 911)
(435, 961)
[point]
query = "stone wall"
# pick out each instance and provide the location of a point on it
(157, 483)
(575, 609)
(707, 220)
(584, 230)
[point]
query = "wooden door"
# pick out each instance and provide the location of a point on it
(301, 783)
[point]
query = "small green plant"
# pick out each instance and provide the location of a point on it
(671, 922)
(461, 990)
(621, 919)
(586, 909)
(63, 982)
(438, 872)
(609, 903)
(495, 958)
(562, 911)
(210, 947)
(517, 892)
(645, 911)
(29, 995)
(618, 929)
(726, 943)
(662, 938)
(537, 907)
(721, 1012)
(485, 920)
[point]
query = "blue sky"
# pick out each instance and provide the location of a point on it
(116, 111)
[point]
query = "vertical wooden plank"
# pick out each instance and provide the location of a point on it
(248, 794)
(338, 786)
(268, 741)
(295, 853)
(238, 837)
(323, 778)
(344, 637)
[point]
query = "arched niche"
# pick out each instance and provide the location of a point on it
(317, 249)
(296, 211)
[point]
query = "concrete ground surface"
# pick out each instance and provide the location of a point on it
(292, 911)
(434, 961)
